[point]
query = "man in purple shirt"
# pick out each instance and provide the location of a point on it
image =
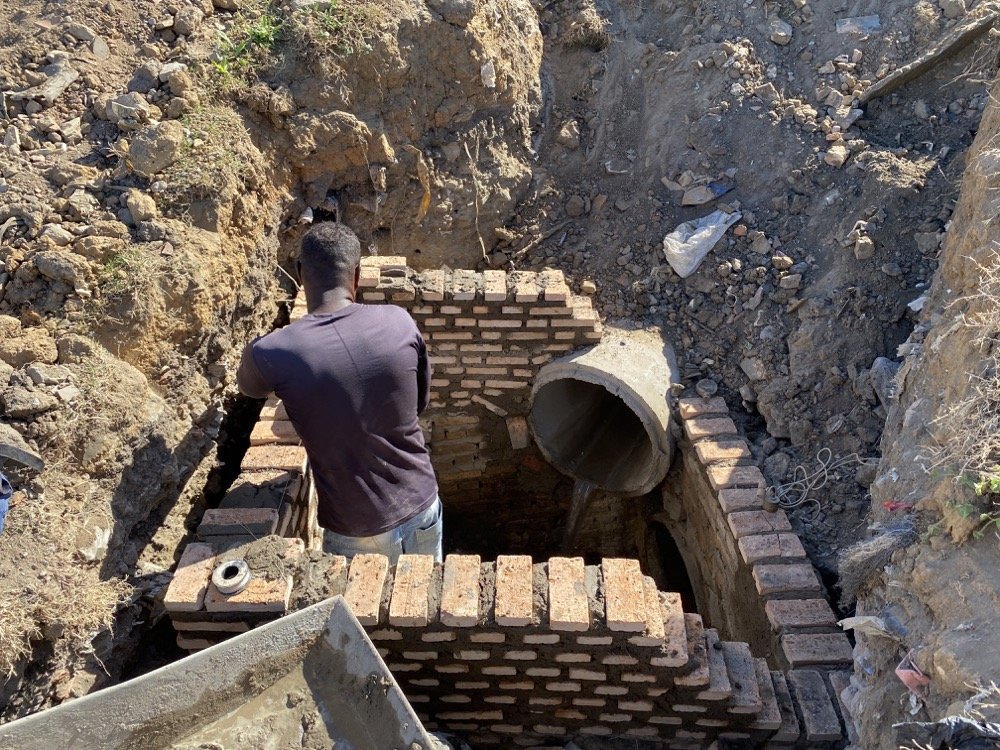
(353, 379)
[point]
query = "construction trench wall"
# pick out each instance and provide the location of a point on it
(529, 652)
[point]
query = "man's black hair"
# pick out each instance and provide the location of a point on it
(330, 254)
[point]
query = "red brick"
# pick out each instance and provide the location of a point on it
(186, 592)
(460, 593)
(653, 615)
(514, 601)
(274, 408)
(674, 652)
(769, 718)
(791, 614)
(746, 522)
(735, 499)
(365, 584)
(697, 675)
(743, 676)
(819, 717)
(283, 457)
(724, 477)
(814, 649)
(786, 581)
(274, 432)
(568, 605)
(771, 548)
(260, 595)
(722, 451)
(410, 604)
(624, 597)
(706, 427)
(232, 521)
(494, 286)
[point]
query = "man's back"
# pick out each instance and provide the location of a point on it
(353, 383)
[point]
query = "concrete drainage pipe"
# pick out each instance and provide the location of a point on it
(602, 415)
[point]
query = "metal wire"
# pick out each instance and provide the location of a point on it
(796, 493)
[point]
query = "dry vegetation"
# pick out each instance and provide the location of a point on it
(971, 425)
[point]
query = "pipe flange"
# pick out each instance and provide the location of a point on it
(231, 576)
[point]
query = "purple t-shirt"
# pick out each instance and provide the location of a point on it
(353, 383)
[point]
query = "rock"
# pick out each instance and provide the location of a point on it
(55, 234)
(62, 266)
(760, 244)
(837, 154)
(227, 4)
(131, 106)
(169, 69)
(180, 83)
(864, 247)
(588, 287)
(5, 372)
(781, 31)
(187, 20)
(67, 393)
(697, 196)
(19, 402)
(953, 8)
(82, 32)
(891, 269)
(792, 281)
(146, 77)
(42, 374)
(155, 148)
(59, 75)
(776, 467)
(883, 379)
(81, 204)
(141, 205)
(866, 473)
(781, 261)
(457, 12)
(569, 135)
(575, 206)
(100, 48)
(753, 368)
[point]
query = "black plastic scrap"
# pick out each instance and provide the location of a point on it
(950, 733)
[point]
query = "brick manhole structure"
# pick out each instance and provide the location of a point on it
(532, 650)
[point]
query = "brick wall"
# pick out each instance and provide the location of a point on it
(488, 334)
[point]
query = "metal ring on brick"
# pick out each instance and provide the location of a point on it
(231, 576)
(602, 415)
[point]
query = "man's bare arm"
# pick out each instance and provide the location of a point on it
(248, 378)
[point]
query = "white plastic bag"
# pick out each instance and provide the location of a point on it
(689, 243)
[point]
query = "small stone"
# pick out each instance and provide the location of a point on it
(781, 31)
(100, 48)
(23, 403)
(706, 387)
(781, 261)
(588, 287)
(82, 32)
(864, 248)
(187, 20)
(837, 154)
(761, 245)
(792, 281)
(180, 83)
(145, 78)
(953, 8)
(170, 68)
(156, 148)
(141, 205)
(697, 196)
(753, 368)
(132, 106)
(42, 374)
(56, 234)
(68, 393)
(575, 206)
(892, 269)
(569, 135)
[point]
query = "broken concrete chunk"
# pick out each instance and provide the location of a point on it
(187, 20)
(837, 154)
(60, 75)
(569, 135)
(14, 448)
(82, 32)
(19, 402)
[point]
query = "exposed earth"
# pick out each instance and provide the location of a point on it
(160, 161)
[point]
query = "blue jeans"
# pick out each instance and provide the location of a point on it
(6, 492)
(420, 535)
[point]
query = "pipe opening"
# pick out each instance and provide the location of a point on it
(592, 435)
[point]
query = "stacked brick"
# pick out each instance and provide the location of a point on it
(528, 654)
(801, 622)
